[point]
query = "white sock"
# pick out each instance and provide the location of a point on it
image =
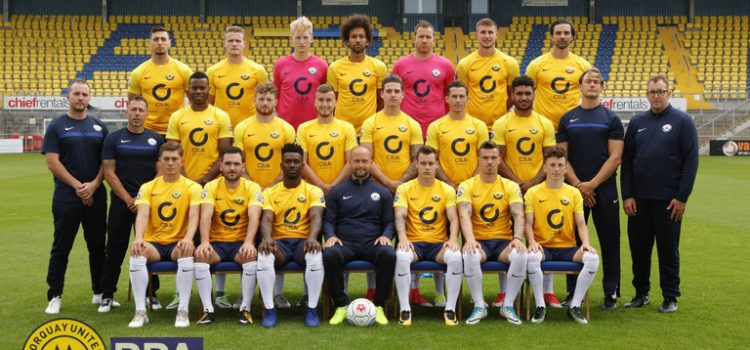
(453, 277)
(439, 281)
(370, 280)
(534, 270)
(278, 287)
(549, 284)
(516, 276)
(314, 275)
(221, 281)
(203, 282)
(266, 275)
(590, 266)
(473, 274)
(403, 272)
(414, 281)
(139, 281)
(248, 280)
(184, 281)
(502, 283)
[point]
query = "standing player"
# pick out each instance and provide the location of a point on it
(262, 136)
(557, 73)
(203, 131)
(230, 213)
(424, 211)
(457, 136)
(290, 224)
(162, 81)
(168, 215)
(327, 142)
(298, 75)
(234, 79)
(358, 225)
(488, 73)
(72, 150)
(357, 78)
(129, 157)
(592, 135)
(426, 76)
(554, 211)
(659, 165)
(486, 204)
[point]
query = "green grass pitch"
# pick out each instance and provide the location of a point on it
(712, 314)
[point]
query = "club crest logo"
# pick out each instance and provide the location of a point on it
(151, 142)
(245, 76)
(534, 131)
(564, 201)
(435, 73)
(239, 200)
(497, 195)
(436, 198)
(275, 135)
(302, 198)
(375, 196)
(97, 128)
(334, 133)
(666, 127)
(470, 131)
(176, 195)
(170, 76)
(367, 73)
(402, 128)
(208, 122)
(569, 70)
(495, 67)
(312, 70)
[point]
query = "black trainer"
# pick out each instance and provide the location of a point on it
(206, 318)
(539, 315)
(668, 305)
(566, 302)
(638, 301)
(609, 304)
(302, 301)
(577, 315)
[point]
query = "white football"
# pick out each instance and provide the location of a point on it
(361, 312)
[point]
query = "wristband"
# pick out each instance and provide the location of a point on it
(518, 238)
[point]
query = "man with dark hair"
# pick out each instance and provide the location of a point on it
(659, 165)
(290, 224)
(357, 78)
(129, 157)
(358, 225)
(592, 135)
(72, 150)
(162, 81)
(488, 73)
(557, 73)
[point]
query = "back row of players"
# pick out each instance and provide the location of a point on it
(458, 149)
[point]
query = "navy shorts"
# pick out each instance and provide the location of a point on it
(493, 247)
(559, 254)
(165, 250)
(427, 251)
(226, 250)
(291, 248)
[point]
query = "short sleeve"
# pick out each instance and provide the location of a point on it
(549, 133)
(195, 194)
(51, 143)
(531, 70)
(331, 78)
(513, 191)
(302, 136)
(416, 133)
(400, 199)
(482, 133)
(261, 74)
(351, 137)
(239, 137)
(225, 125)
(317, 198)
(288, 130)
(277, 73)
(562, 127)
(208, 195)
(211, 80)
(432, 140)
(578, 200)
(451, 72)
(135, 81)
(463, 195)
(186, 72)
(529, 200)
(108, 148)
(450, 194)
(256, 194)
(461, 71)
(382, 71)
(616, 131)
(513, 70)
(173, 129)
(144, 194)
(498, 130)
(366, 130)
(266, 194)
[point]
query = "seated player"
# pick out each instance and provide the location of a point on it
(486, 203)
(554, 211)
(167, 218)
(290, 224)
(230, 213)
(424, 210)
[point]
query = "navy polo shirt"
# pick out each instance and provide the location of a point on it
(79, 144)
(587, 132)
(135, 156)
(359, 212)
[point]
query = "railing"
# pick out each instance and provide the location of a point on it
(741, 110)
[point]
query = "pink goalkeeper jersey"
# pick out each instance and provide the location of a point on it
(297, 82)
(424, 87)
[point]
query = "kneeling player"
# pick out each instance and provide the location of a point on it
(230, 213)
(424, 208)
(291, 224)
(167, 218)
(486, 203)
(554, 210)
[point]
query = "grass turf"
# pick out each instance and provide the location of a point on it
(714, 285)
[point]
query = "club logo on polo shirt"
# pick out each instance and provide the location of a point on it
(334, 133)
(534, 131)
(495, 67)
(245, 76)
(151, 142)
(402, 128)
(435, 198)
(312, 70)
(666, 127)
(375, 196)
(564, 201)
(208, 121)
(497, 195)
(301, 198)
(470, 131)
(435, 73)
(239, 201)
(99, 128)
(176, 195)
(275, 135)
(170, 76)
(367, 73)
(569, 70)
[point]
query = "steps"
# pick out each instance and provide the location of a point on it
(679, 61)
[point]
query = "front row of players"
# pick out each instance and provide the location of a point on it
(360, 223)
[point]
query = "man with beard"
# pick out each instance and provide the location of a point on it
(162, 81)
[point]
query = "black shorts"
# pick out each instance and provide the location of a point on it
(493, 247)
(165, 250)
(427, 251)
(559, 254)
(291, 248)
(226, 250)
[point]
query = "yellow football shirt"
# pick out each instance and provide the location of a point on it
(554, 210)
(262, 143)
(291, 207)
(557, 89)
(457, 142)
(163, 86)
(357, 85)
(426, 218)
(169, 204)
(234, 87)
(391, 138)
(490, 204)
(488, 79)
(229, 221)
(524, 139)
(326, 146)
(199, 134)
